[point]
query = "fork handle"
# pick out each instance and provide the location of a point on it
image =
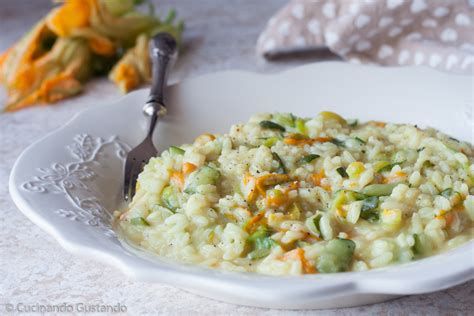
(163, 53)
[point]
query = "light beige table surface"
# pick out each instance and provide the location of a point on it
(221, 34)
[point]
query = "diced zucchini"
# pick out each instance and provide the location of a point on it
(301, 126)
(422, 246)
(327, 115)
(295, 211)
(336, 256)
(176, 150)
(343, 197)
(379, 189)
(261, 232)
(204, 175)
(380, 166)
(259, 253)
(355, 169)
(312, 223)
(139, 221)
(389, 167)
(286, 119)
(342, 172)
(169, 198)
(261, 243)
(369, 210)
(270, 141)
(398, 156)
(339, 200)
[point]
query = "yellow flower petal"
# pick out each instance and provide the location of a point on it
(71, 15)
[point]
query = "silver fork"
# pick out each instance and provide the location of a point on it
(163, 52)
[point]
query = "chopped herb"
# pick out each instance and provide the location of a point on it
(272, 125)
(420, 149)
(372, 216)
(281, 166)
(338, 142)
(390, 166)
(139, 221)
(176, 150)
(419, 247)
(316, 221)
(309, 158)
(428, 164)
(455, 139)
(363, 142)
(342, 172)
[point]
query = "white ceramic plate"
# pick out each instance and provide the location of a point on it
(69, 182)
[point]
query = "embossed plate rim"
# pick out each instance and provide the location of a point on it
(321, 291)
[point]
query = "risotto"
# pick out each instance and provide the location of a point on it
(284, 195)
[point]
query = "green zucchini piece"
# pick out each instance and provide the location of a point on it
(139, 221)
(270, 141)
(369, 210)
(337, 256)
(379, 189)
(204, 175)
(286, 119)
(176, 150)
(169, 197)
(390, 166)
(261, 243)
(421, 246)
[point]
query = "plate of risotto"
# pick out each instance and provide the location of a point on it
(328, 185)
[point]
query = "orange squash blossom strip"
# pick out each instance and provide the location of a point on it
(188, 168)
(299, 254)
(178, 178)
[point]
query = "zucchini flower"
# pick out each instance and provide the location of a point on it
(32, 74)
(76, 40)
(134, 68)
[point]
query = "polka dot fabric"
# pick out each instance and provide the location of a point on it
(435, 33)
